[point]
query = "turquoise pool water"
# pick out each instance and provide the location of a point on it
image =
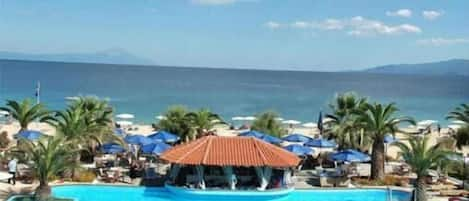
(116, 193)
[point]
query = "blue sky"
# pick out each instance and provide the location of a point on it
(267, 34)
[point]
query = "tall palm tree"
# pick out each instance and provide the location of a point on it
(377, 120)
(460, 113)
(176, 122)
(344, 127)
(51, 156)
(421, 157)
(203, 120)
(25, 112)
(267, 122)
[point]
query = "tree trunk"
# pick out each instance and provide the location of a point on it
(43, 192)
(377, 160)
(420, 192)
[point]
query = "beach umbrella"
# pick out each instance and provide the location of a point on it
(249, 118)
(4, 113)
(299, 150)
(426, 123)
(389, 139)
(350, 155)
(72, 98)
(327, 120)
(112, 148)
(160, 117)
(124, 123)
(454, 127)
(252, 133)
(296, 138)
(271, 139)
(292, 122)
(321, 143)
(458, 122)
(237, 118)
(279, 119)
(30, 135)
(164, 136)
(125, 116)
(138, 140)
(310, 125)
(155, 148)
(119, 131)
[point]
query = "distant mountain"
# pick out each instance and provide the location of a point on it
(110, 56)
(453, 67)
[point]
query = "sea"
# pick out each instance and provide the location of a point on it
(147, 91)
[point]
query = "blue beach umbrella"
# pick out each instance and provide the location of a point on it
(30, 135)
(155, 148)
(252, 133)
(350, 155)
(389, 139)
(164, 136)
(271, 139)
(296, 138)
(321, 143)
(138, 140)
(112, 148)
(299, 150)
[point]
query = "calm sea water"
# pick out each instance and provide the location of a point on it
(148, 91)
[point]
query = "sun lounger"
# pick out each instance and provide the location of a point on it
(454, 192)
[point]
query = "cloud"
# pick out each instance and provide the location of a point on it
(443, 41)
(357, 26)
(431, 14)
(400, 13)
(273, 25)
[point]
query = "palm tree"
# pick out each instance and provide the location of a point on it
(460, 113)
(344, 127)
(421, 157)
(267, 122)
(176, 122)
(51, 156)
(203, 120)
(86, 123)
(377, 120)
(25, 112)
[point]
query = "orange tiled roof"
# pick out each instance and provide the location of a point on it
(230, 151)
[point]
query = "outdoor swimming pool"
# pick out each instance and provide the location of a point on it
(117, 193)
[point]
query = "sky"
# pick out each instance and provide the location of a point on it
(260, 34)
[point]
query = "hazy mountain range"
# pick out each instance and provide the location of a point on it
(454, 67)
(119, 56)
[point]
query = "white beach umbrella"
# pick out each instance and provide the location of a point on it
(125, 116)
(310, 125)
(72, 98)
(124, 123)
(279, 119)
(458, 122)
(160, 117)
(237, 118)
(326, 120)
(293, 122)
(249, 118)
(426, 122)
(4, 112)
(454, 127)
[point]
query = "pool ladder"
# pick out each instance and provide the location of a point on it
(389, 194)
